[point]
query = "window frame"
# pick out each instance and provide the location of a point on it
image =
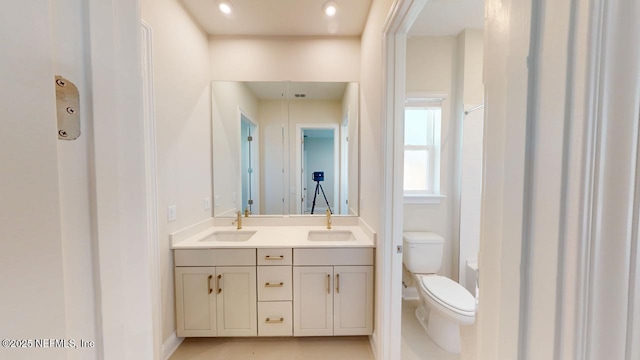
(432, 194)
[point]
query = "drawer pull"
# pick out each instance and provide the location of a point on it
(274, 284)
(209, 284)
(328, 284)
(337, 283)
(274, 321)
(218, 283)
(269, 257)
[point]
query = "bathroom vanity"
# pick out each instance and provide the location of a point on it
(274, 281)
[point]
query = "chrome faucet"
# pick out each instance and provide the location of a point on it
(328, 219)
(238, 220)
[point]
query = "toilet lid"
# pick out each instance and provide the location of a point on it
(449, 293)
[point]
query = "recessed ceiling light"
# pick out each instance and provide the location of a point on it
(330, 8)
(225, 7)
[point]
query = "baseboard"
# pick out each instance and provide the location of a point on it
(170, 345)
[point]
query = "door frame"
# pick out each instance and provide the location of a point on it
(151, 168)
(343, 206)
(336, 159)
(402, 16)
(255, 161)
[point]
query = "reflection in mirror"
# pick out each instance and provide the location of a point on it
(323, 127)
(270, 137)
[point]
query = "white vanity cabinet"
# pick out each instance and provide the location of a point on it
(216, 292)
(333, 291)
(274, 292)
(275, 314)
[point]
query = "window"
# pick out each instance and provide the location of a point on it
(422, 119)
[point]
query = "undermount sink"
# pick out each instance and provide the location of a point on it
(331, 235)
(230, 236)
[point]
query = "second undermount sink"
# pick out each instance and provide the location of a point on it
(230, 236)
(331, 235)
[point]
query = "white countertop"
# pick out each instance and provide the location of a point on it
(275, 237)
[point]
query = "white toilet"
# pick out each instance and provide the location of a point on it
(444, 304)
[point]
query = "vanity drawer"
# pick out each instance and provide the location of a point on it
(333, 256)
(275, 318)
(274, 283)
(215, 257)
(274, 256)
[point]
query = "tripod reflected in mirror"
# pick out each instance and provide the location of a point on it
(318, 176)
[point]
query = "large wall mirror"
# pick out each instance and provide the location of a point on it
(284, 148)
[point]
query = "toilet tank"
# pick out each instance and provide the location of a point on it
(422, 252)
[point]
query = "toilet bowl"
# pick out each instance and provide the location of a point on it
(445, 305)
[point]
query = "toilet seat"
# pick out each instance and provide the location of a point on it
(449, 294)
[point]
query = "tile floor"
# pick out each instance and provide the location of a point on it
(416, 345)
(307, 348)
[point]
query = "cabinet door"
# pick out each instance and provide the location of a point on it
(236, 301)
(195, 301)
(313, 301)
(353, 300)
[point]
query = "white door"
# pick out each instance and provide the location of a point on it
(236, 301)
(45, 268)
(195, 301)
(312, 301)
(353, 300)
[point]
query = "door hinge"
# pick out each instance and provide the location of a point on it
(67, 109)
(249, 138)
(399, 249)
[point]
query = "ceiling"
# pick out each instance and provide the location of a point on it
(280, 17)
(448, 17)
(306, 18)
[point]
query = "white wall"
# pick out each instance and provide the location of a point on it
(431, 69)
(183, 125)
(470, 95)
(240, 58)
(506, 73)
(371, 138)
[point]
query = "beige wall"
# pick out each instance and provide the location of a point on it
(183, 126)
(431, 69)
(241, 58)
